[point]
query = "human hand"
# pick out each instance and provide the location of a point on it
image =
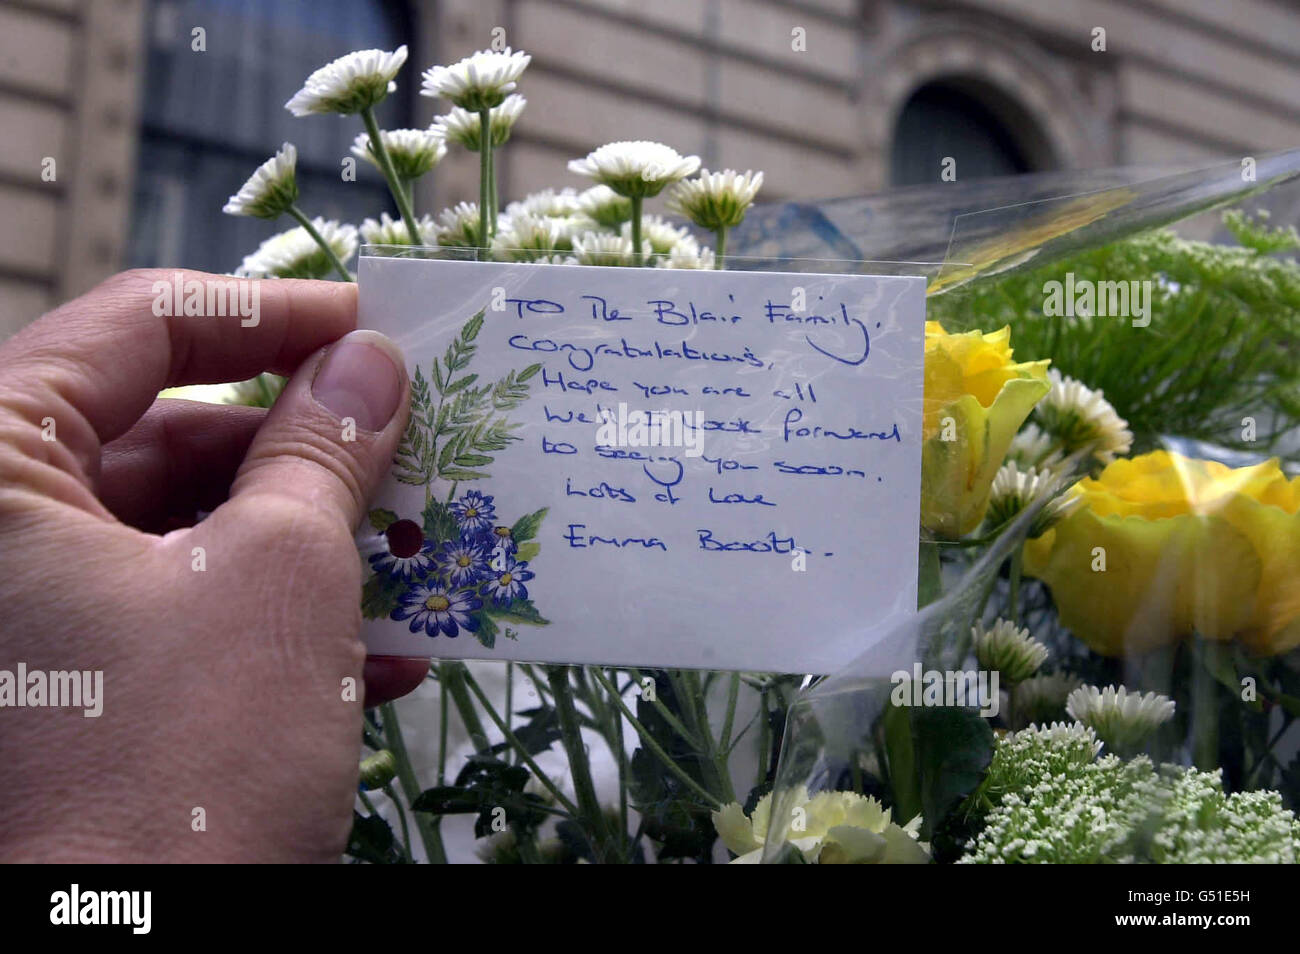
(226, 646)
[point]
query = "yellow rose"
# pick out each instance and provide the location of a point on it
(1189, 546)
(976, 398)
(830, 828)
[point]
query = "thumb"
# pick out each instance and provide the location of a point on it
(331, 436)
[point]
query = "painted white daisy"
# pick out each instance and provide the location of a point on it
(1077, 416)
(296, 254)
(1009, 650)
(1121, 719)
(604, 248)
(526, 238)
(1014, 490)
(662, 236)
(413, 151)
(637, 169)
(387, 230)
(465, 128)
(479, 81)
(716, 200)
(350, 84)
(271, 190)
(605, 206)
(686, 257)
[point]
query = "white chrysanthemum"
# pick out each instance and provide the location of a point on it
(1014, 490)
(1078, 416)
(1009, 650)
(465, 128)
(412, 151)
(604, 248)
(458, 227)
(548, 202)
(1032, 447)
(528, 238)
(637, 168)
(685, 256)
(387, 230)
(605, 206)
(349, 84)
(716, 200)
(1121, 719)
(477, 82)
(295, 254)
(269, 191)
(662, 236)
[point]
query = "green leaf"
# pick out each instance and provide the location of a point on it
(455, 473)
(900, 756)
(460, 384)
(517, 611)
(471, 329)
(448, 800)
(526, 551)
(953, 749)
(526, 527)
(439, 522)
(379, 596)
(529, 371)
(382, 519)
(372, 840)
(487, 631)
(472, 460)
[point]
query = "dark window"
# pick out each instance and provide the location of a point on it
(208, 119)
(985, 137)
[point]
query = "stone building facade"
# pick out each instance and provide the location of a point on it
(829, 97)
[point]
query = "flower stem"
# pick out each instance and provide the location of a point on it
(649, 742)
(380, 152)
(576, 749)
(429, 834)
(329, 252)
(931, 575)
(484, 176)
(454, 675)
(721, 250)
(636, 230)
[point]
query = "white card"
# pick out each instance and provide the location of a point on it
(649, 467)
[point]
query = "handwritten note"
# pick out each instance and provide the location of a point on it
(646, 466)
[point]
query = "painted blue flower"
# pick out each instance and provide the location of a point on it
(507, 579)
(500, 538)
(405, 554)
(431, 607)
(463, 563)
(474, 512)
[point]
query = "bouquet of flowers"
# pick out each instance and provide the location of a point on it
(1110, 558)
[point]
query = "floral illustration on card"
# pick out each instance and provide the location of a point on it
(460, 566)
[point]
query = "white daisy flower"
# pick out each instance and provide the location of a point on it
(295, 254)
(605, 206)
(1009, 650)
(1032, 447)
(716, 200)
(465, 128)
(604, 248)
(662, 236)
(477, 82)
(1121, 719)
(1014, 490)
(349, 84)
(387, 230)
(527, 238)
(458, 227)
(269, 191)
(549, 203)
(1077, 416)
(636, 169)
(687, 257)
(412, 151)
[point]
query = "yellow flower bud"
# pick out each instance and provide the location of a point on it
(976, 398)
(1164, 546)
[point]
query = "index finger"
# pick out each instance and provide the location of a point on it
(102, 358)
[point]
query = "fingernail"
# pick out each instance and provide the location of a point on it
(361, 378)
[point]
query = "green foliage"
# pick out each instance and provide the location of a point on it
(372, 840)
(484, 785)
(1221, 344)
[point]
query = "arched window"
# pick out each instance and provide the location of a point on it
(209, 118)
(983, 131)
